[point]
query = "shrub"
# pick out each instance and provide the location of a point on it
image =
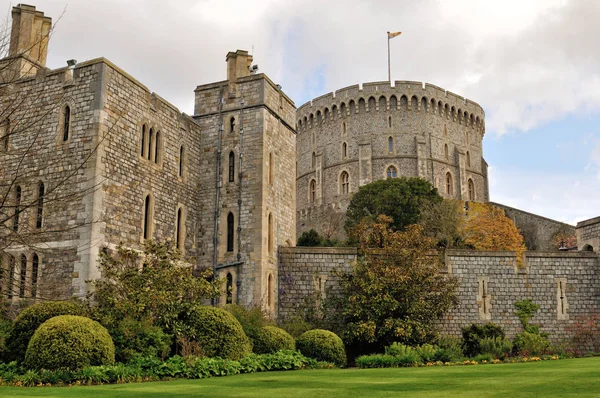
(473, 334)
(398, 349)
(526, 343)
(31, 318)
(271, 339)
(69, 342)
(411, 358)
(296, 326)
(5, 326)
(586, 333)
(218, 333)
(322, 345)
(498, 347)
(450, 349)
(133, 338)
(427, 352)
(252, 319)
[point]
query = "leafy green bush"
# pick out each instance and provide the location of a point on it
(252, 319)
(484, 357)
(322, 345)
(30, 319)
(296, 325)
(132, 337)
(409, 359)
(218, 333)
(498, 347)
(526, 343)
(271, 339)
(398, 349)
(450, 349)
(474, 333)
(5, 326)
(69, 342)
(427, 352)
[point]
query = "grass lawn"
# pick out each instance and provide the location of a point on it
(573, 377)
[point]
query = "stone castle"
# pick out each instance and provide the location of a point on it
(90, 159)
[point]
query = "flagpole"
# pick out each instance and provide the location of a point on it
(389, 67)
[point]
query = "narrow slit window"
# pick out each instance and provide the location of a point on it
(230, 232)
(231, 166)
(40, 206)
(390, 144)
(181, 154)
(229, 289)
(314, 160)
(147, 217)
(66, 122)
(232, 125)
(11, 277)
(23, 276)
(312, 191)
(468, 159)
(150, 144)
(270, 233)
(449, 184)
(270, 174)
(344, 150)
(35, 264)
(446, 152)
(471, 187)
(390, 122)
(143, 138)
(270, 291)
(157, 147)
(178, 231)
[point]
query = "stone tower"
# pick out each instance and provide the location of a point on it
(249, 150)
(28, 42)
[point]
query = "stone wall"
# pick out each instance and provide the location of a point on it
(565, 285)
(588, 235)
(537, 231)
(433, 132)
(307, 274)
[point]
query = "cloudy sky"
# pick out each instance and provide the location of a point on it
(533, 65)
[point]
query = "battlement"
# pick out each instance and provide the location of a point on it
(382, 96)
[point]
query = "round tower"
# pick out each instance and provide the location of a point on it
(356, 135)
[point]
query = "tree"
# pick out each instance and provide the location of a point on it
(396, 291)
(155, 286)
(443, 222)
(310, 238)
(488, 228)
(399, 198)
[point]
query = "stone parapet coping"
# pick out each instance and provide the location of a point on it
(319, 250)
(591, 221)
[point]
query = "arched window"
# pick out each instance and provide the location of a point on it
(314, 160)
(471, 187)
(468, 159)
(40, 206)
(446, 154)
(232, 125)
(179, 240)
(270, 233)
(231, 166)
(344, 150)
(34, 274)
(449, 184)
(270, 173)
(181, 154)
(11, 277)
(143, 139)
(23, 276)
(344, 183)
(150, 144)
(392, 172)
(147, 226)
(270, 291)
(18, 193)
(390, 144)
(230, 232)
(66, 122)
(157, 147)
(312, 194)
(229, 289)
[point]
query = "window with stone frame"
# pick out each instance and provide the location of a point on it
(181, 160)
(312, 191)
(344, 183)
(35, 264)
(231, 173)
(66, 123)
(391, 172)
(22, 276)
(39, 220)
(449, 184)
(148, 214)
(230, 232)
(471, 188)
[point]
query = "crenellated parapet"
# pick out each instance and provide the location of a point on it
(408, 96)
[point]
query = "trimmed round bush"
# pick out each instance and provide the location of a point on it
(271, 339)
(218, 333)
(30, 319)
(134, 338)
(69, 342)
(322, 345)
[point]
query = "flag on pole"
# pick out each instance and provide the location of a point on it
(391, 35)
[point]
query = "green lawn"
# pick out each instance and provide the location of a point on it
(574, 377)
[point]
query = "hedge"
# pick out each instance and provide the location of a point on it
(69, 342)
(271, 339)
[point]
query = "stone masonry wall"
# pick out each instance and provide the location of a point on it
(588, 234)
(537, 231)
(433, 132)
(489, 285)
